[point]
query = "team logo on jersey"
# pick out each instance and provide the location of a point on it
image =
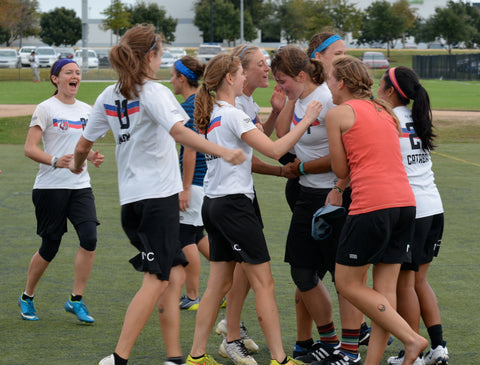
(214, 123)
(296, 119)
(64, 125)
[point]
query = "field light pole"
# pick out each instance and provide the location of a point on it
(241, 22)
(84, 35)
(211, 21)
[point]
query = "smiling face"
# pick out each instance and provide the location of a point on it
(67, 81)
(290, 86)
(337, 48)
(256, 71)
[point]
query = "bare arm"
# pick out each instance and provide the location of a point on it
(285, 118)
(82, 149)
(261, 167)
(277, 149)
(334, 119)
(277, 101)
(33, 151)
(189, 157)
(189, 138)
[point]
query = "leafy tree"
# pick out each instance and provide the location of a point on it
(381, 24)
(4, 35)
(117, 18)
(403, 10)
(269, 23)
(151, 13)
(60, 26)
(453, 23)
(345, 16)
(226, 21)
(19, 18)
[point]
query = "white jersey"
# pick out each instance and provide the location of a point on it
(147, 159)
(418, 166)
(250, 107)
(314, 142)
(62, 125)
(227, 124)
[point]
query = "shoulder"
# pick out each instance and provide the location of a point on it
(82, 105)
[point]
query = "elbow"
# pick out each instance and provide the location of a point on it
(341, 173)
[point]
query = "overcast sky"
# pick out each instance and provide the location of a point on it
(95, 7)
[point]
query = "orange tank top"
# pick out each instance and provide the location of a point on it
(377, 175)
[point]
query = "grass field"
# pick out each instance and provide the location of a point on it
(445, 95)
(59, 339)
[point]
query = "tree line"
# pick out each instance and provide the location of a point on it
(295, 21)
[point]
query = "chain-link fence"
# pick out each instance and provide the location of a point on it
(448, 67)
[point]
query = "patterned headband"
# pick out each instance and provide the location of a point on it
(393, 79)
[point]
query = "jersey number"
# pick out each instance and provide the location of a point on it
(123, 106)
(413, 143)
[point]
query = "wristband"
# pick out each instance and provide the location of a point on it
(54, 162)
(300, 168)
(337, 189)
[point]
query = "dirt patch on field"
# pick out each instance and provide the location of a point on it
(438, 115)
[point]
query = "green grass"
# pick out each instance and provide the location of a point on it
(58, 339)
(467, 93)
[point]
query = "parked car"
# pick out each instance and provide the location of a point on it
(268, 59)
(435, 46)
(9, 58)
(375, 60)
(102, 54)
(167, 60)
(25, 53)
(92, 58)
(46, 56)
(207, 51)
(65, 52)
(177, 52)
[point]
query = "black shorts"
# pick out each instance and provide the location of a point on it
(302, 250)
(234, 230)
(384, 236)
(426, 241)
(54, 206)
(190, 235)
(152, 225)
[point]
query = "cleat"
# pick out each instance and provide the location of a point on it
(398, 360)
(437, 356)
(189, 304)
(300, 351)
(365, 336)
(319, 351)
(204, 360)
(109, 360)
(224, 303)
(339, 358)
(237, 352)
(27, 309)
(289, 362)
(80, 310)
(250, 344)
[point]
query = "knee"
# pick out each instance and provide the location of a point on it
(87, 234)
(49, 248)
(304, 279)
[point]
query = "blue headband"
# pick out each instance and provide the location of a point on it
(243, 50)
(325, 44)
(60, 63)
(153, 45)
(185, 71)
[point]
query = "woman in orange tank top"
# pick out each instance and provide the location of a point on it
(363, 140)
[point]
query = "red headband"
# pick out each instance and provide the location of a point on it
(393, 79)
